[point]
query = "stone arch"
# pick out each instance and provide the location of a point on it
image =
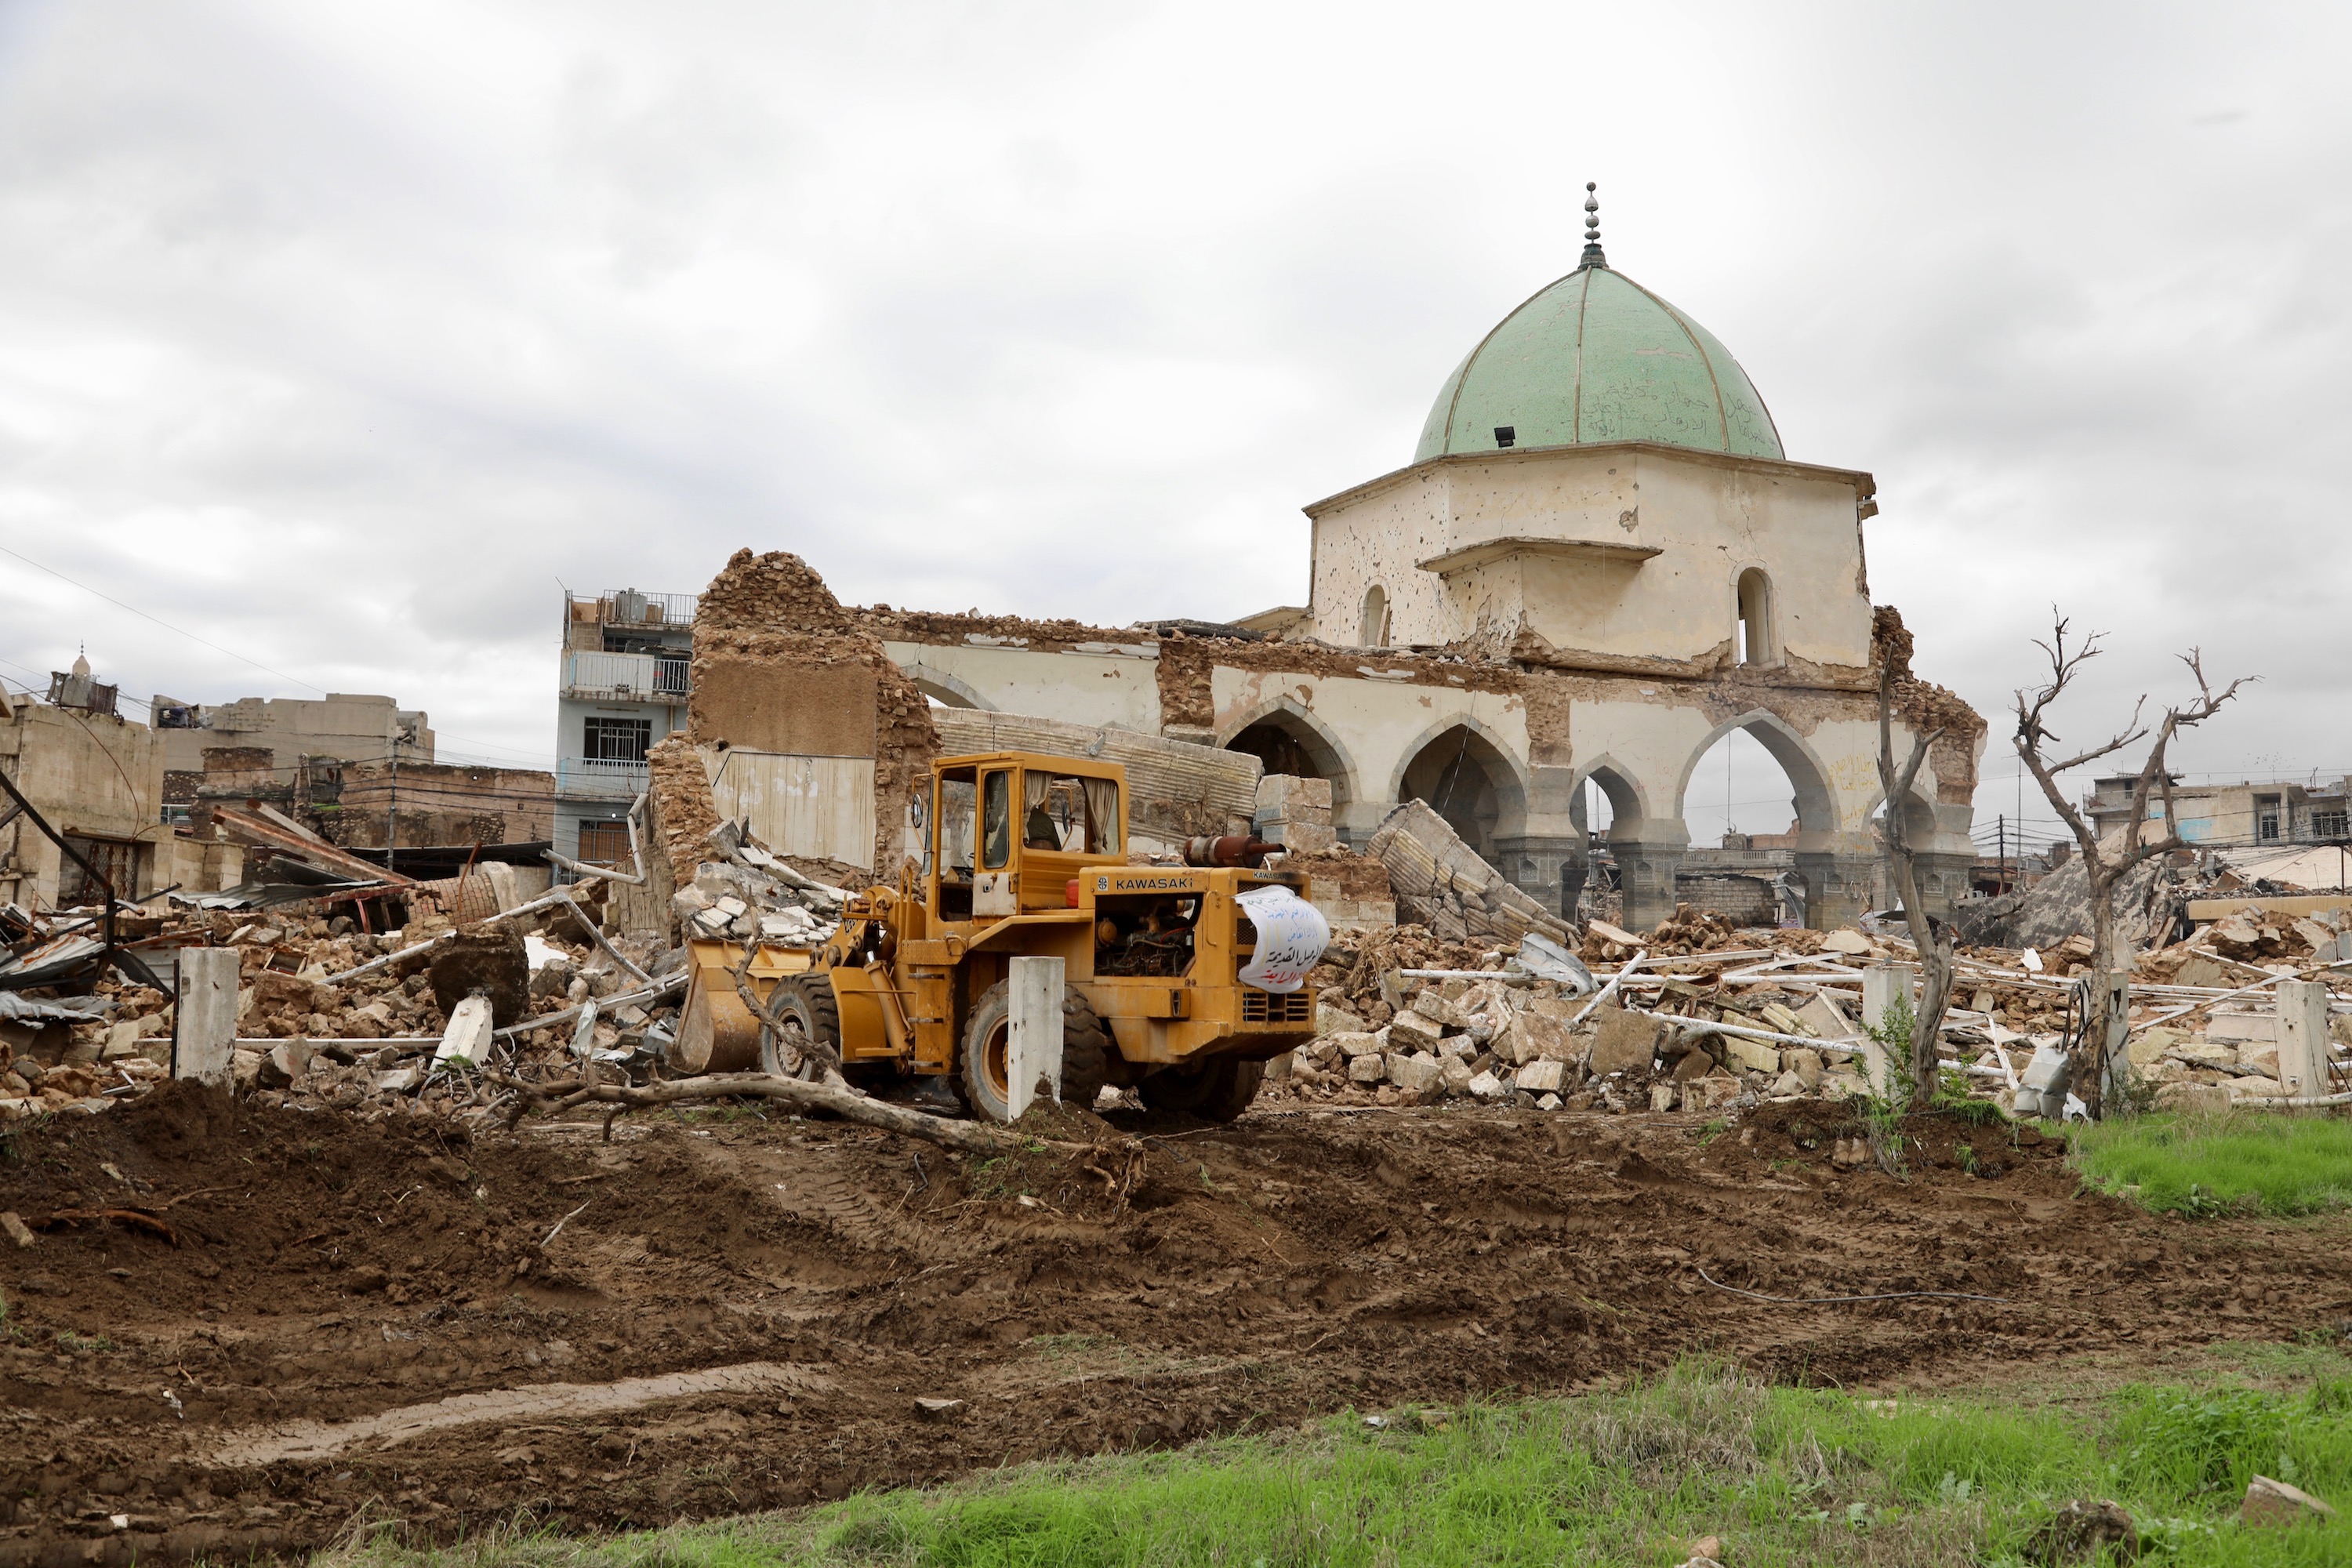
(1286, 730)
(1472, 779)
(1918, 812)
(1808, 779)
(1372, 623)
(946, 690)
(1629, 806)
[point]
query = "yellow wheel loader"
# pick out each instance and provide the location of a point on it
(1025, 855)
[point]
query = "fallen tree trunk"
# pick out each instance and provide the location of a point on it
(972, 1137)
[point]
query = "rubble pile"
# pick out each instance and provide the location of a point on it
(331, 1015)
(1714, 1016)
(744, 893)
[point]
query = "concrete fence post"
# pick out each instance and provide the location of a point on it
(2303, 1037)
(204, 1012)
(1033, 1048)
(1882, 985)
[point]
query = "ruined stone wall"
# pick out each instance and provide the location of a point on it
(773, 655)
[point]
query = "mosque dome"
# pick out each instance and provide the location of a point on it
(1597, 357)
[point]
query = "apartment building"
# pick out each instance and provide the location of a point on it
(2233, 815)
(627, 661)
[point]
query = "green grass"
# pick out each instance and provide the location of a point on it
(2267, 1161)
(1782, 1475)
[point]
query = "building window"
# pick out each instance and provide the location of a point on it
(616, 739)
(2328, 824)
(605, 844)
(2266, 818)
(116, 859)
(1374, 630)
(1755, 631)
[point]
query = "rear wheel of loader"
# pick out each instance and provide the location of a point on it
(810, 1010)
(1086, 1052)
(1219, 1091)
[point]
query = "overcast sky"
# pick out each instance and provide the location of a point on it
(342, 336)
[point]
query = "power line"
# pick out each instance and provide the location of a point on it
(160, 621)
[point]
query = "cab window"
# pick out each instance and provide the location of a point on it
(995, 821)
(1072, 816)
(959, 805)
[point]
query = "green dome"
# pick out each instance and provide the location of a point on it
(1597, 357)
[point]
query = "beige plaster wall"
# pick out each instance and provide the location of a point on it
(1709, 519)
(1120, 691)
(89, 774)
(354, 727)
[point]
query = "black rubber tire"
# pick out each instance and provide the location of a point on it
(1086, 1052)
(808, 1001)
(1219, 1091)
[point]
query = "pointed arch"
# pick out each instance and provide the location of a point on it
(1469, 775)
(1288, 719)
(1629, 805)
(1807, 778)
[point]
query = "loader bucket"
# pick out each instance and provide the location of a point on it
(716, 1032)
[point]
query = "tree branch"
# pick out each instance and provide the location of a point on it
(546, 1099)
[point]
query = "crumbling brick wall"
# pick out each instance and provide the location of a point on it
(1926, 707)
(771, 616)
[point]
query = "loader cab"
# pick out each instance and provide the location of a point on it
(1010, 830)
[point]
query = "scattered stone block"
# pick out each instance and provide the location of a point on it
(1455, 1075)
(1369, 1069)
(1330, 1020)
(2270, 1502)
(1753, 1056)
(283, 1065)
(1824, 1017)
(1530, 1037)
(13, 1227)
(1434, 1006)
(1417, 1078)
(1805, 1062)
(1623, 1042)
(1847, 941)
(1485, 1086)
(1709, 1093)
(1664, 1095)
(1415, 1031)
(2147, 1048)
(1355, 1043)
(1544, 1075)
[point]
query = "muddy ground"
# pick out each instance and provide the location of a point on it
(292, 1320)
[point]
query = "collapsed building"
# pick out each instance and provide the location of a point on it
(1598, 564)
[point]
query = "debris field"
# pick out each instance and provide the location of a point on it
(241, 1327)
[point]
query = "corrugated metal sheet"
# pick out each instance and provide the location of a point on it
(818, 806)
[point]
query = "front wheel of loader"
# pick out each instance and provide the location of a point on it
(810, 1010)
(1086, 1052)
(1219, 1091)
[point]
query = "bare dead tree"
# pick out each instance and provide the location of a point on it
(1933, 937)
(2106, 871)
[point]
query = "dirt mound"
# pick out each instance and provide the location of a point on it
(242, 1327)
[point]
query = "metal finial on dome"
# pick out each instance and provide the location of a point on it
(1593, 253)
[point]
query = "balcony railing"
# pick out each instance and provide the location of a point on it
(626, 677)
(599, 778)
(631, 607)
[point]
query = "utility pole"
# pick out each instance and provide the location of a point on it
(392, 816)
